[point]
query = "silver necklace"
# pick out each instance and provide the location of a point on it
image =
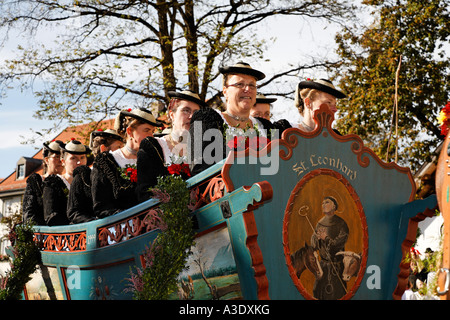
(309, 129)
(237, 118)
(131, 151)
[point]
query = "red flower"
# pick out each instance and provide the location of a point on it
(133, 176)
(258, 143)
(186, 170)
(237, 142)
(129, 173)
(174, 169)
(243, 142)
(446, 109)
(179, 169)
(444, 119)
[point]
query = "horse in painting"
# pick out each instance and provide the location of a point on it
(306, 258)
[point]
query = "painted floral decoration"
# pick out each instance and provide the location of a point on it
(444, 119)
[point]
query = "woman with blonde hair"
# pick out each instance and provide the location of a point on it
(113, 174)
(310, 95)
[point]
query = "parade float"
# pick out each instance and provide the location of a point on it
(443, 198)
(263, 230)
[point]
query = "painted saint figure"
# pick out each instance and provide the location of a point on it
(330, 237)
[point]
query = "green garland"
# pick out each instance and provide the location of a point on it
(167, 255)
(26, 258)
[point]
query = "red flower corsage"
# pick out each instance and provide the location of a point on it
(130, 173)
(242, 142)
(181, 169)
(444, 119)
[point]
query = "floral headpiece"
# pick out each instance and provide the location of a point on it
(414, 251)
(444, 119)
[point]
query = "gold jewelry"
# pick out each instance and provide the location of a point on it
(171, 140)
(159, 155)
(173, 143)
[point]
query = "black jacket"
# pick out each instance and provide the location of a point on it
(150, 165)
(211, 119)
(206, 118)
(279, 125)
(111, 193)
(55, 195)
(33, 208)
(79, 206)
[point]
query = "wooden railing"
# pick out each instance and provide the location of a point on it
(205, 188)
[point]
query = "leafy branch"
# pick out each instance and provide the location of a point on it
(165, 259)
(26, 258)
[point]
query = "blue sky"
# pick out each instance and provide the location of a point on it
(16, 120)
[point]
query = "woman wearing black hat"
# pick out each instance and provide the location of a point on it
(105, 140)
(180, 110)
(262, 107)
(310, 95)
(239, 90)
(80, 206)
(157, 155)
(56, 186)
(114, 173)
(33, 210)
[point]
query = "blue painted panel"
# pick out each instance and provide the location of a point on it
(383, 190)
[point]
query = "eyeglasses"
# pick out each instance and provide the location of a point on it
(241, 85)
(187, 111)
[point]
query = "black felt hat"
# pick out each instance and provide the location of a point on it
(53, 146)
(108, 133)
(75, 147)
(322, 85)
(189, 96)
(140, 114)
(243, 68)
(260, 98)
